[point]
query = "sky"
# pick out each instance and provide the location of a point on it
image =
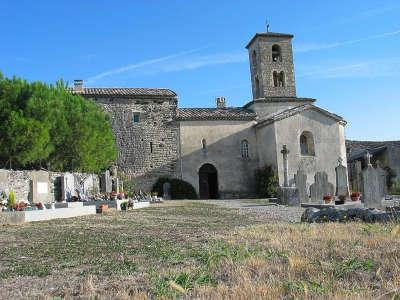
(346, 53)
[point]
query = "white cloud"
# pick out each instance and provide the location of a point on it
(321, 46)
(186, 60)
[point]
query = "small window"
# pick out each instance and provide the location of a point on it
(204, 144)
(276, 53)
(151, 147)
(136, 118)
(244, 148)
(307, 144)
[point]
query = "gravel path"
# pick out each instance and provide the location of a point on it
(258, 209)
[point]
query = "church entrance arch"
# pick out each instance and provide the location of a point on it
(208, 182)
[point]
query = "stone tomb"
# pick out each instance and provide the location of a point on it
(372, 197)
(342, 187)
(321, 187)
(301, 185)
(67, 187)
(40, 187)
(4, 181)
(106, 182)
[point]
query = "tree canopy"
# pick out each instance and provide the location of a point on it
(47, 126)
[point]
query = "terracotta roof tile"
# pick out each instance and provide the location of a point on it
(132, 92)
(209, 114)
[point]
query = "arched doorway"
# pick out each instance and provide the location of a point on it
(208, 182)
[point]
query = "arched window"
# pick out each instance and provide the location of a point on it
(244, 148)
(276, 53)
(257, 87)
(307, 143)
(254, 58)
(281, 79)
(204, 144)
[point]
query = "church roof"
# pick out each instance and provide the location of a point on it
(211, 114)
(125, 92)
(280, 99)
(270, 34)
(278, 116)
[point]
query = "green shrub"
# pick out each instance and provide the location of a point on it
(266, 182)
(180, 189)
(11, 200)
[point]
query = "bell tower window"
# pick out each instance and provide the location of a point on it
(254, 58)
(276, 53)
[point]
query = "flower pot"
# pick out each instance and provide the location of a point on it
(355, 198)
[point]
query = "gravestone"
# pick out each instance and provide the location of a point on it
(301, 185)
(67, 187)
(106, 182)
(288, 196)
(285, 153)
(381, 178)
(40, 187)
(321, 187)
(371, 195)
(358, 178)
(167, 191)
(342, 187)
(4, 181)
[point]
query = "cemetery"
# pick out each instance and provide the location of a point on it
(29, 196)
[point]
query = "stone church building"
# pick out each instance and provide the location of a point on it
(217, 150)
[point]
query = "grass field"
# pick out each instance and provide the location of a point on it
(197, 250)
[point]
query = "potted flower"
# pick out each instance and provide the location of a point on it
(113, 195)
(355, 196)
(328, 199)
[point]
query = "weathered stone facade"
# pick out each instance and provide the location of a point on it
(263, 65)
(148, 148)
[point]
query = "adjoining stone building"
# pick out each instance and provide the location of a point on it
(218, 149)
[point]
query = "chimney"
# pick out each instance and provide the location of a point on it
(221, 103)
(78, 85)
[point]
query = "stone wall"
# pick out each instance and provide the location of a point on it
(264, 67)
(24, 187)
(147, 149)
(223, 151)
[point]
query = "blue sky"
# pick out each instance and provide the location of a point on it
(347, 53)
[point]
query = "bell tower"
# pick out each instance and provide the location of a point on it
(271, 65)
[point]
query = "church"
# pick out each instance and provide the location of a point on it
(218, 149)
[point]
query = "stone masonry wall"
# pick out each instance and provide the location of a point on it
(264, 67)
(21, 183)
(148, 149)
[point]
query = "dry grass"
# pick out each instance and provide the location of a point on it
(197, 250)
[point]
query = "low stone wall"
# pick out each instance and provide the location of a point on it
(43, 186)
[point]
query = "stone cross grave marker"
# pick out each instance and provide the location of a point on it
(321, 187)
(342, 187)
(285, 153)
(301, 185)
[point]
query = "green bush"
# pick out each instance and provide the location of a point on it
(180, 189)
(266, 182)
(11, 200)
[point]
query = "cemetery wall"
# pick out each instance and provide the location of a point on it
(147, 149)
(43, 186)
